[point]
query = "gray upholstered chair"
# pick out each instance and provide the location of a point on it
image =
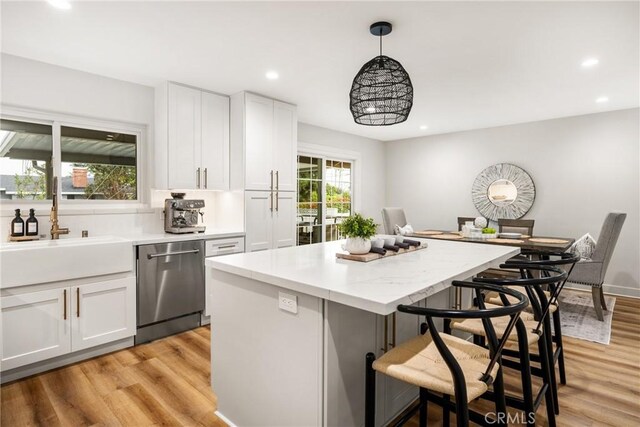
(591, 272)
(523, 226)
(391, 217)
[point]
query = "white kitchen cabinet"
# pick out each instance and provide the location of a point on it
(192, 138)
(44, 324)
(285, 137)
(35, 327)
(270, 220)
(263, 143)
(284, 219)
(103, 312)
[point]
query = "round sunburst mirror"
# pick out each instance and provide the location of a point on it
(503, 190)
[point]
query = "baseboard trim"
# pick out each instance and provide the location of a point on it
(225, 419)
(608, 289)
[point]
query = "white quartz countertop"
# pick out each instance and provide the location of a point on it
(377, 286)
(213, 233)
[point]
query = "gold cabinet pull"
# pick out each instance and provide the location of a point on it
(277, 200)
(277, 182)
(198, 178)
(78, 300)
(271, 201)
(271, 185)
(206, 178)
(65, 304)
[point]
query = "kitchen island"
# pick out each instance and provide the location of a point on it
(291, 327)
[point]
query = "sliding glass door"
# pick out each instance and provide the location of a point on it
(324, 198)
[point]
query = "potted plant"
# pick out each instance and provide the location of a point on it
(358, 231)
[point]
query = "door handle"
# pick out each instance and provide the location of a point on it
(198, 178)
(78, 301)
(193, 251)
(206, 178)
(271, 201)
(271, 185)
(226, 247)
(277, 201)
(65, 304)
(277, 182)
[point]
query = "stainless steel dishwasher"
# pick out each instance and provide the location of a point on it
(170, 288)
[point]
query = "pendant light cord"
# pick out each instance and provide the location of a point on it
(380, 42)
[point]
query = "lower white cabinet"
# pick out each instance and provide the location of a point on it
(35, 326)
(103, 312)
(44, 324)
(270, 220)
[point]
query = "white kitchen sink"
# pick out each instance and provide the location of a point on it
(43, 261)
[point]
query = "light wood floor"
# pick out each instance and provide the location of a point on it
(167, 383)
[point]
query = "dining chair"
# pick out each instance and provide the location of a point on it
(531, 330)
(448, 365)
(462, 220)
(523, 226)
(392, 217)
(591, 272)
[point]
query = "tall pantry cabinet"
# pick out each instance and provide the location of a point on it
(263, 164)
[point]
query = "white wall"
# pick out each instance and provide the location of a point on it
(373, 174)
(583, 167)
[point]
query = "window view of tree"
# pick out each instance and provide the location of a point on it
(98, 164)
(320, 182)
(26, 166)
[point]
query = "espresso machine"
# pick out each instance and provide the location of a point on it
(183, 215)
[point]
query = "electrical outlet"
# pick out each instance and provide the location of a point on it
(288, 302)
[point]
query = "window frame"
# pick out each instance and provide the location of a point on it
(331, 153)
(56, 121)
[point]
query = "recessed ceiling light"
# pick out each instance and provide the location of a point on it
(370, 109)
(590, 62)
(602, 99)
(272, 75)
(424, 127)
(60, 4)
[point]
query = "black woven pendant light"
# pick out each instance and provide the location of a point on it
(381, 93)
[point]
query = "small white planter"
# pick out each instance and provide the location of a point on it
(357, 245)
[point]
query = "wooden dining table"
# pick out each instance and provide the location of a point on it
(535, 243)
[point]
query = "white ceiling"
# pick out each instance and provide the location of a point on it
(473, 64)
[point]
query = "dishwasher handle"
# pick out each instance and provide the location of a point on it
(193, 251)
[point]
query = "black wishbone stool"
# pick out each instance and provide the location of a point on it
(450, 366)
(533, 328)
(565, 261)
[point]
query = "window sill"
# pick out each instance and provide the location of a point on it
(42, 209)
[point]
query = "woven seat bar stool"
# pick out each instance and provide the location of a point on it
(450, 366)
(529, 332)
(553, 277)
(566, 261)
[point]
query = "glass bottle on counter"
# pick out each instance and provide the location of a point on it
(17, 225)
(32, 223)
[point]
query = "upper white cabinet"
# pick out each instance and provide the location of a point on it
(263, 143)
(192, 138)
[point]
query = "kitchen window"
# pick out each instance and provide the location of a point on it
(94, 160)
(324, 198)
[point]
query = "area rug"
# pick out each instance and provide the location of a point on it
(579, 319)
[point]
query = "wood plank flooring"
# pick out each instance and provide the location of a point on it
(167, 383)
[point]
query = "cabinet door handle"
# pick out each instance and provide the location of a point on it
(277, 201)
(271, 201)
(271, 185)
(78, 301)
(65, 304)
(198, 178)
(226, 247)
(206, 178)
(394, 330)
(277, 182)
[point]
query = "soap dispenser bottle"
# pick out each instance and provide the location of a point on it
(17, 225)
(32, 223)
